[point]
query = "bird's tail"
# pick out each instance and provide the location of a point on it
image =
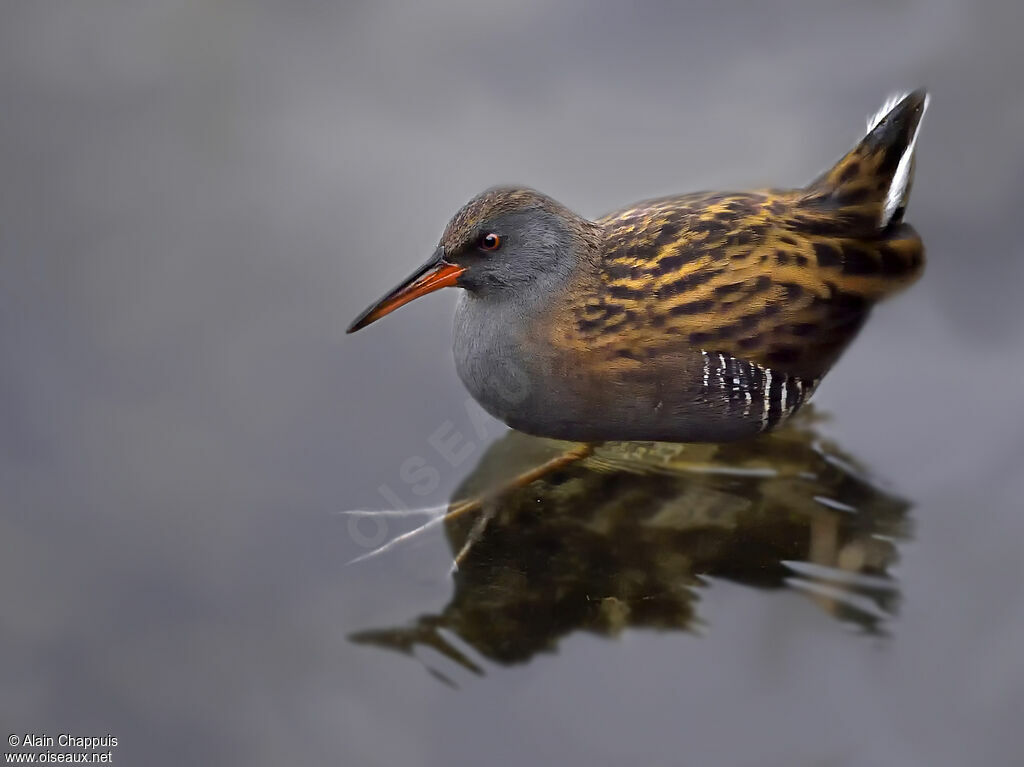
(868, 188)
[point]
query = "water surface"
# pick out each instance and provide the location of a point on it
(197, 198)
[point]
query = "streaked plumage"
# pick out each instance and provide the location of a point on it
(700, 317)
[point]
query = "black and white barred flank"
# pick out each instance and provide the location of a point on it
(755, 390)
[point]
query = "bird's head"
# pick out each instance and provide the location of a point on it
(500, 243)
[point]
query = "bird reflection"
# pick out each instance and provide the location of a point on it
(627, 537)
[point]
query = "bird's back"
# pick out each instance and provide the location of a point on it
(714, 315)
(774, 277)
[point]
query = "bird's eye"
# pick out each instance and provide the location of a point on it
(490, 241)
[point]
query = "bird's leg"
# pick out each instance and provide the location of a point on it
(475, 533)
(473, 504)
(562, 460)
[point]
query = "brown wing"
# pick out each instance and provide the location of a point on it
(764, 276)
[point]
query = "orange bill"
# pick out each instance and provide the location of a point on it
(433, 275)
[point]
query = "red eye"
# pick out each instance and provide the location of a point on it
(490, 241)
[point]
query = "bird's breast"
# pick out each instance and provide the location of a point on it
(512, 364)
(495, 356)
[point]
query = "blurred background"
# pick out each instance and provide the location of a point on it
(197, 197)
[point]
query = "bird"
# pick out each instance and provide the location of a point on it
(701, 317)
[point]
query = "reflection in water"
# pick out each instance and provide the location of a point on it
(624, 538)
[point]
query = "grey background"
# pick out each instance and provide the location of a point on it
(197, 197)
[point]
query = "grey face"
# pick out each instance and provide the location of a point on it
(512, 245)
(511, 251)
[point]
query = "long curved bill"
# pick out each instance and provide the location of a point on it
(433, 275)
